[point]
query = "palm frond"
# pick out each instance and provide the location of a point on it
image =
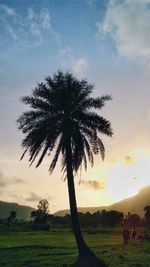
(36, 103)
(25, 151)
(96, 103)
(88, 151)
(93, 121)
(61, 108)
(55, 158)
(101, 147)
(43, 154)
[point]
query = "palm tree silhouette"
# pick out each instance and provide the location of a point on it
(62, 119)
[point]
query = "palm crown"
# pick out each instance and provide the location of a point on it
(62, 110)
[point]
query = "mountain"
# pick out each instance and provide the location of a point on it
(134, 204)
(23, 212)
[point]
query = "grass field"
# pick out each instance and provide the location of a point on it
(41, 249)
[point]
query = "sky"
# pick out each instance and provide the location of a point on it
(108, 43)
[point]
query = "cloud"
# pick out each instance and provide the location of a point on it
(38, 24)
(36, 32)
(65, 51)
(127, 22)
(33, 197)
(30, 27)
(30, 14)
(8, 11)
(6, 181)
(12, 33)
(128, 159)
(93, 184)
(35, 28)
(79, 66)
(45, 19)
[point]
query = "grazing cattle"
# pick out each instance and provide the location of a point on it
(126, 236)
(133, 234)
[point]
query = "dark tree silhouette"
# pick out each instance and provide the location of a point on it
(40, 215)
(12, 216)
(33, 215)
(43, 206)
(62, 119)
(147, 215)
(133, 220)
(111, 217)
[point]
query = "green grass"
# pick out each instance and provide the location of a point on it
(41, 249)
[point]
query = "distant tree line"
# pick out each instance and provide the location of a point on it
(100, 218)
(41, 219)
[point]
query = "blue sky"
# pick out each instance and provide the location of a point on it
(105, 41)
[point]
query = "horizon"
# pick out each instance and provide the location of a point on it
(86, 207)
(96, 40)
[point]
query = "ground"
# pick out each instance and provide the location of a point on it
(57, 248)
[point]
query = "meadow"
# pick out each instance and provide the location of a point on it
(58, 248)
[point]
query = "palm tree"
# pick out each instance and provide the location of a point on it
(62, 119)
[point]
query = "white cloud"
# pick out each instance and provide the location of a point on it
(79, 66)
(65, 51)
(128, 23)
(8, 11)
(32, 27)
(36, 32)
(45, 19)
(30, 14)
(12, 33)
(38, 24)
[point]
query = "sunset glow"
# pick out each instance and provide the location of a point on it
(128, 174)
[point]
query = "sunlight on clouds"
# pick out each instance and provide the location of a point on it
(128, 159)
(93, 184)
(126, 177)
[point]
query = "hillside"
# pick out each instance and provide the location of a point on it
(133, 204)
(23, 212)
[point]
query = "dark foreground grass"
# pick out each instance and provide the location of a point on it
(41, 249)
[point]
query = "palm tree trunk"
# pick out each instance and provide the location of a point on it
(72, 201)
